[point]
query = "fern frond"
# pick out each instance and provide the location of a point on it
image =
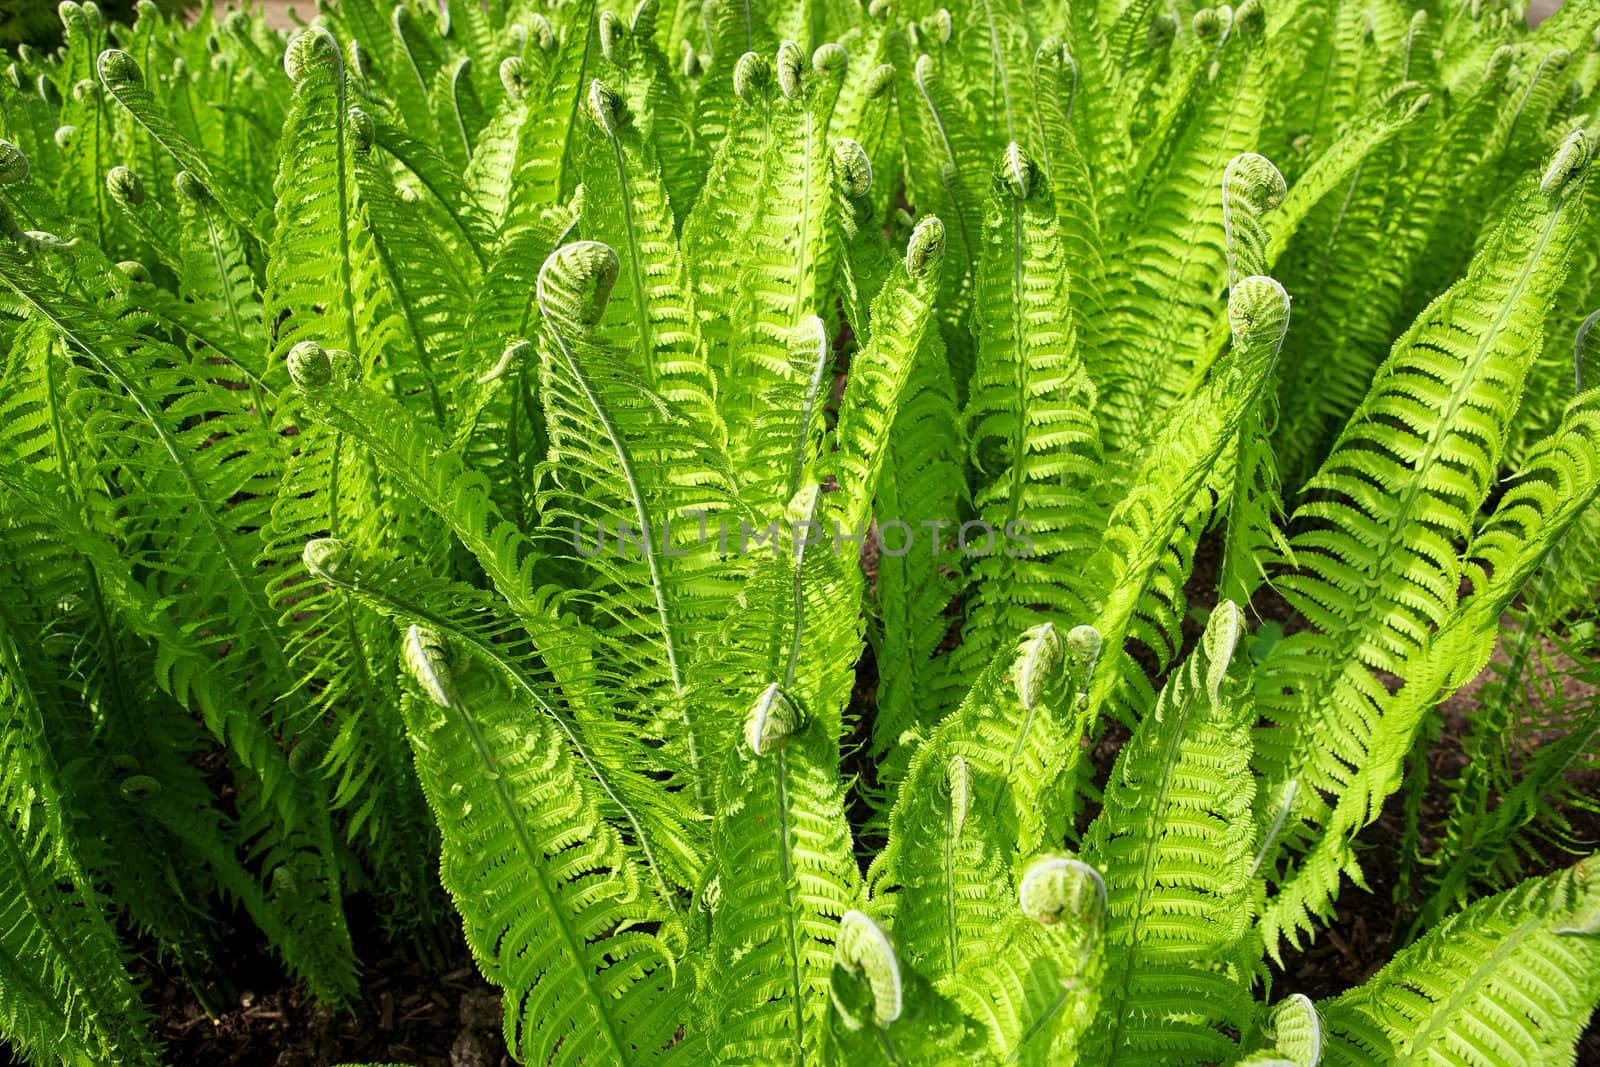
(661, 330)
(945, 176)
(1175, 840)
(1380, 572)
(66, 993)
(192, 482)
(1058, 81)
(1139, 569)
(621, 459)
(315, 266)
(548, 667)
(924, 474)
(992, 785)
(1031, 418)
(1161, 299)
(1017, 737)
(1513, 979)
(879, 375)
(1357, 256)
(540, 179)
(1542, 507)
(784, 867)
(557, 913)
(1535, 514)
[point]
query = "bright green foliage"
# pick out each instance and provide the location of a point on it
(1509, 980)
(1175, 840)
(464, 459)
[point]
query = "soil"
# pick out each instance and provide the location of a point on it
(408, 1014)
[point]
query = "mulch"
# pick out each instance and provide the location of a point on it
(441, 1014)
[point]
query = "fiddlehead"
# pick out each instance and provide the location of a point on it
(1058, 889)
(310, 49)
(309, 364)
(13, 164)
(852, 168)
(1038, 657)
(772, 722)
(575, 284)
(925, 249)
(125, 187)
(752, 74)
(864, 953)
(1569, 161)
(1251, 187)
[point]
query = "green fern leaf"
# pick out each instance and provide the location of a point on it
(1031, 419)
(1381, 573)
(1175, 840)
(1512, 979)
(556, 911)
(66, 993)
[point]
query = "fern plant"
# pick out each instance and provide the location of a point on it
(816, 532)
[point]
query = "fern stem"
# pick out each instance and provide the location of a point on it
(641, 306)
(999, 71)
(953, 937)
(803, 252)
(808, 411)
(352, 341)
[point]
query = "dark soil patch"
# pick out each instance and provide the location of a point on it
(408, 1014)
(439, 1014)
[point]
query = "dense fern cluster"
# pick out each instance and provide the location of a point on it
(692, 487)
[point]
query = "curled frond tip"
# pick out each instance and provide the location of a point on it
(864, 952)
(751, 76)
(13, 164)
(309, 365)
(427, 660)
(1568, 162)
(312, 47)
(1221, 639)
(925, 249)
(575, 282)
(853, 168)
(793, 66)
(1255, 178)
(605, 107)
(1017, 171)
(1039, 654)
(1057, 887)
(771, 722)
(1258, 310)
(328, 558)
(879, 80)
(118, 69)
